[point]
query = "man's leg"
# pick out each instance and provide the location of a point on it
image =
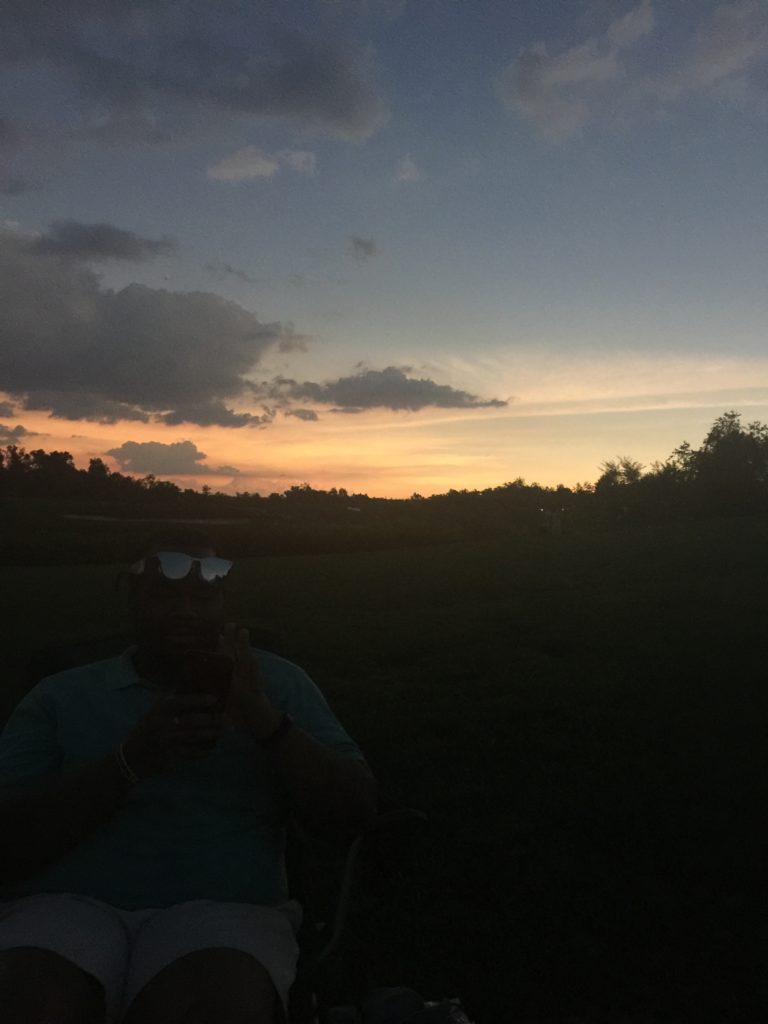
(210, 986)
(38, 986)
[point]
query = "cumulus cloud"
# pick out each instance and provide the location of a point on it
(10, 435)
(362, 248)
(250, 162)
(542, 87)
(93, 242)
(80, 404)
(390, 388)
(213, 413)
(180, 458)
(145, 69)
(85, 352)
(407, 170)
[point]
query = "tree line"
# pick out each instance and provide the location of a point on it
(726, 475)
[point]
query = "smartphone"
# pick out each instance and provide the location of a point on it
(206, 672)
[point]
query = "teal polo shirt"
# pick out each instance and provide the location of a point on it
(211, 828)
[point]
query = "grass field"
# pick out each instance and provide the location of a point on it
(584, 720)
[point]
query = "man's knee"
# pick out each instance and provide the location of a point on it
(40, 985)
(218, 983)
(233, 984)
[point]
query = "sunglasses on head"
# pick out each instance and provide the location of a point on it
(175, 565)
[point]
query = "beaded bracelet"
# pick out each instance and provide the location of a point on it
(125, 769)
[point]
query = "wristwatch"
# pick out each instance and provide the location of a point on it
(284, 726)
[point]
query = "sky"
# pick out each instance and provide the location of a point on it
(396, 246)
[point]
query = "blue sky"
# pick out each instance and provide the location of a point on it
(389, 245)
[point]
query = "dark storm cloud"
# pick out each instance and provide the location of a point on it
(93, 242)
(180, 458)
(390, 388)
(362, 248)
(132, 58)
(85, 352)
(6, 409)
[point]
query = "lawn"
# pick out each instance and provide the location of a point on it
(583, 718)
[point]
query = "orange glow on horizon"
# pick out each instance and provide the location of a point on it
(395, 455)
(566, 419)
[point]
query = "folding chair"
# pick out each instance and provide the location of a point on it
(312, 865)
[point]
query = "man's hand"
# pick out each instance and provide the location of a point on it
(175, 728)
(326, 791)
(247, 699)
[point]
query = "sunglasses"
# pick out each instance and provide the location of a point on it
(175, 565)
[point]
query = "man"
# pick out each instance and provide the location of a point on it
(143, 831)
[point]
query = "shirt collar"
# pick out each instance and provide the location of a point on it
(124, 674)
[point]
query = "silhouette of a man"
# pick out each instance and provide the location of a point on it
(144, 828)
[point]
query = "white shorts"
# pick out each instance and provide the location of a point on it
(123, 949)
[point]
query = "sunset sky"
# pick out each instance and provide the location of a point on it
(387, 245)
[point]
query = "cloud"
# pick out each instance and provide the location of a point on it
(559, 93)
(85, 352)
(250, 162)
(315, 85)
(362, 248)
(540, 87)
(407, 170)
(222, 270)
(299, 160)
(244, 165)
(213, 413)
(180, 458)
(10, 435)
(149, 70)
(79, 404)
(303, 414)
(6, 409)
(390, 388)
(630, 28)
(728, 43)
(93, 242)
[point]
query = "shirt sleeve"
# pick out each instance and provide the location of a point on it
(290, 689)
(29, 747)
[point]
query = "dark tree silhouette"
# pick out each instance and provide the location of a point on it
(727, 475)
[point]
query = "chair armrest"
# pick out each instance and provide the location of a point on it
(387, 823)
